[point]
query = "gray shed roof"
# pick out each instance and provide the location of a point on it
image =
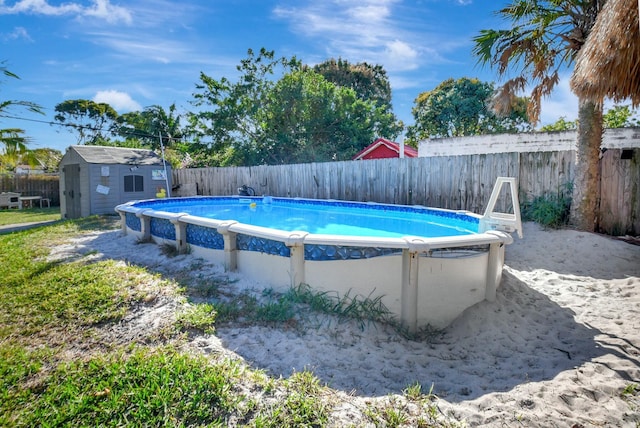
(117, 155)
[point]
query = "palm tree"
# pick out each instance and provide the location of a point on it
(151, 124)
(15, 151)
(13, 139)
(544, 38)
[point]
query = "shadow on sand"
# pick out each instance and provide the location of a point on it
(493, 347)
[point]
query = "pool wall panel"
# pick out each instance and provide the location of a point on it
(376, 277)
(448, 286)
(266, 269)
(215, 256)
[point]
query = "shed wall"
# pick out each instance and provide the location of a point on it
(114, 181)
(102, 203)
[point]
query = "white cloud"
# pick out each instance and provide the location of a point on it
(18, 33)
(101, 9)
(349, 26)
(390, 33)
(151, 48)
(40, 7)
(120, 101)
(369, 13)
(374, 31)
(401, 55)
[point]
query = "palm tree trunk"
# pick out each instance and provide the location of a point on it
(586, 184)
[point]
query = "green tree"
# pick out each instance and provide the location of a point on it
(543, 38)
(48, 159)
(227, 126)
(14, 140)
(92, 122)
(295, 116)
(561, 124)
(369, 81)
(460, 107)
(145, 129)
(308, 119)
(620, 117)
(616, 117)
(151, 124)
(14, 146)
(12, 155)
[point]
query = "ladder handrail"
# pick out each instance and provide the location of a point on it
(507, 222)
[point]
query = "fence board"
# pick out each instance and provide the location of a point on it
(620, 192)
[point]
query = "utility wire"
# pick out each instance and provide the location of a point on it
(124, 133)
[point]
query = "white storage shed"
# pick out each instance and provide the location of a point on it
(94, 179)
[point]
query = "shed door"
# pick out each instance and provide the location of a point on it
(72, 190)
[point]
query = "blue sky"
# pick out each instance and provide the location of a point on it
(137, 53)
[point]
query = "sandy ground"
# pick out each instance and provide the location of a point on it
(557, 348)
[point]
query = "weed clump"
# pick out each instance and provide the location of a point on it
(549, 210)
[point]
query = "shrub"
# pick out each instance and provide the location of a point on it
(549, 210)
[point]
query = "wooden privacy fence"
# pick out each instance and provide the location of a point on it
(620, 192)
(45, 185)
(437, 182)
(452, 182)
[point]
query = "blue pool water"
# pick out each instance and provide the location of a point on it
(324, 217)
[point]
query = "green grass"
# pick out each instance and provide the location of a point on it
(355, 307)
(37, 294)
(302, 406)
(287, 308)
(61, 366)
(201, 317)
(57, 370)
(30, 215)
(146, 388)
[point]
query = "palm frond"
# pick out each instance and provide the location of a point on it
(505, 96)
(544, 36)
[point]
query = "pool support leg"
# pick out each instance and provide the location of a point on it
(295, 243)
(181, 235)
(123, 222)
(409, 296)
(230, 247)
(494, 270)
(230, 251)
(145, 226)
(296, 260)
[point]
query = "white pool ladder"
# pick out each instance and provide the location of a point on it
(505, 222)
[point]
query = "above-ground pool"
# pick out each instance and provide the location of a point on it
(425, 265)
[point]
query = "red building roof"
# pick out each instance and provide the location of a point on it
(382, 149)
